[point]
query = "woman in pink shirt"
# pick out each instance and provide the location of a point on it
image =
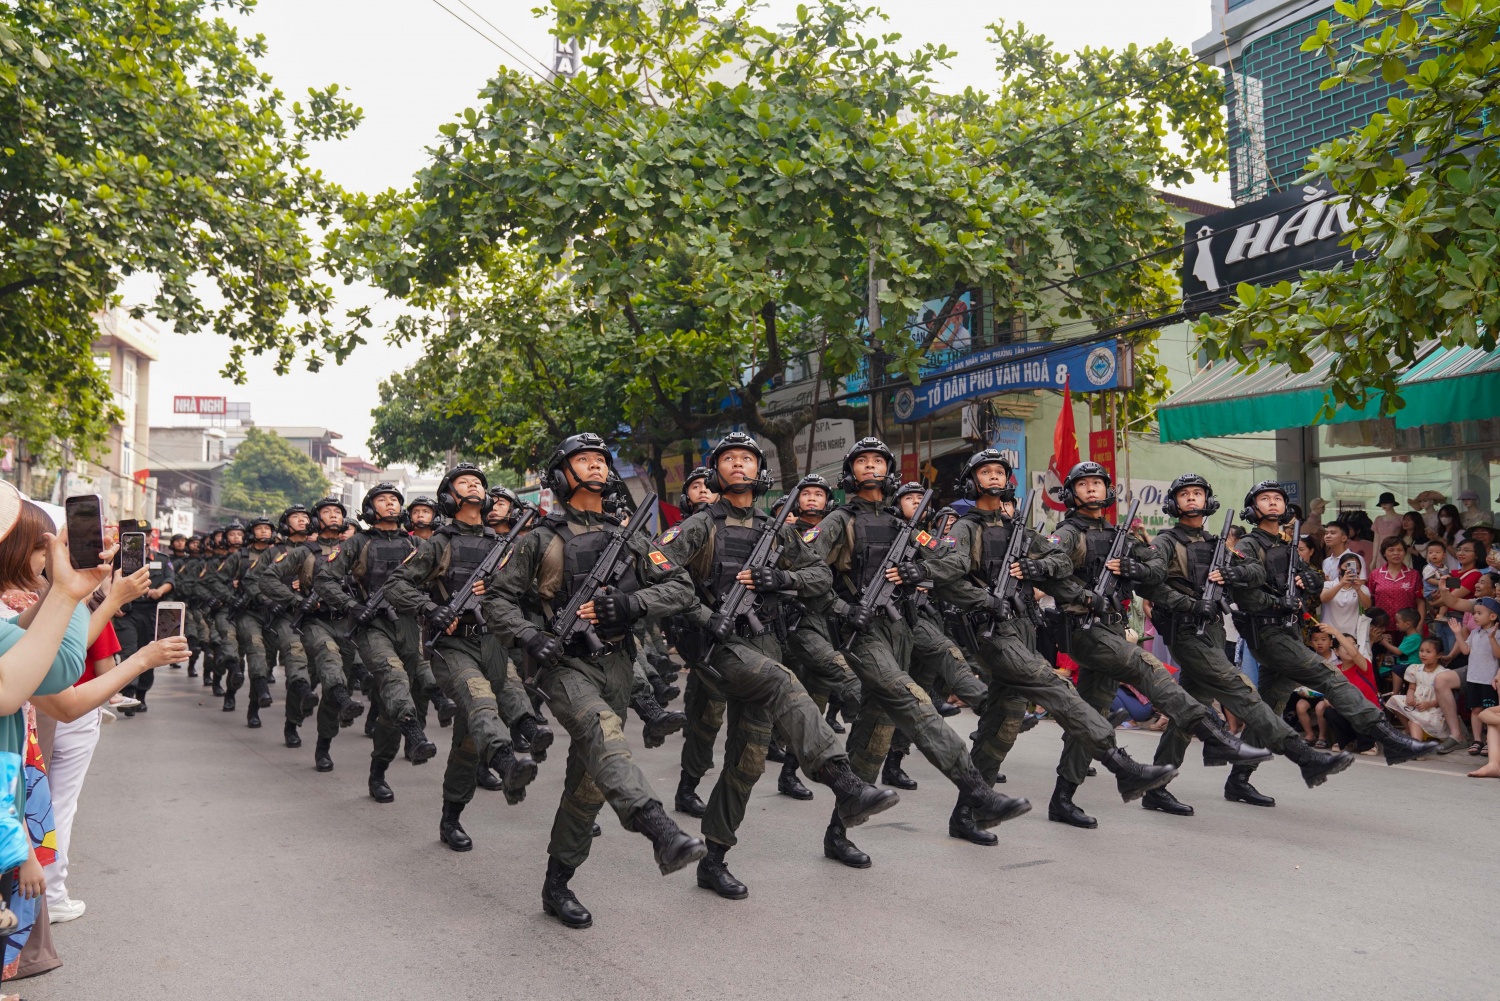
(1395, 585)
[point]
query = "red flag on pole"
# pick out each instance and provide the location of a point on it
(1064, 452)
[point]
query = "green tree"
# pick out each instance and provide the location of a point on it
(1422, 182)
(267, 473)
(138, 137)
(722, 194)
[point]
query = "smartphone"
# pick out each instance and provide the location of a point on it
(85, 520)
(132, 552)
(170, 616)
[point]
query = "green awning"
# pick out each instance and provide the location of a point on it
(1446, 385)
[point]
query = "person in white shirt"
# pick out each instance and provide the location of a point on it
(1345, 596)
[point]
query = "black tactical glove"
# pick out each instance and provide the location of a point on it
(1133, 569)
(544, 648)
(771, 579)
(365, 616)
(1206, 609)
(1311, 581)
(1097, 603)
(1032, 569)
(1232, 575)
(441, 617)
(1000, 606)
(911, 573)
(860, 618)
(617, 609)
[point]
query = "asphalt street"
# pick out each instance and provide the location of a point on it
(216, 863)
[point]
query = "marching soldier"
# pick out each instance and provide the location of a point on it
(281, 588)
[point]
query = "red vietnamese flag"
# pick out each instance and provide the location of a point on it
(1064, 452)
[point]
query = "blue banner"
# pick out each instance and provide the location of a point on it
(1009, 368)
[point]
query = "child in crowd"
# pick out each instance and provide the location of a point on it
(1482, 645)
(1419, 704)
(1401, 648)
(1433, 573)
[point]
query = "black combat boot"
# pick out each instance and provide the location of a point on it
(1399, 746)
(262, 689)
(370, 720)
(450, 831)
(1220, 747)
(1164, 802)
(857, 800)
(788, 784)
(290, 735)
(1316, 765)
(1063, 810)
(660, 723)
(837, 846)
(558, 901)
(216, 686)
(596, 832)
(380, 789)
(487, 779)
(192, 668)
(774, 751)
(228, 702)
(961, 825)
(252, 714)
(892, 774)
(418, 747)
(1132, 778)
(349, 709)
(714, 874)
(1239, 790)
(516, 772)
(535, 733)
(445, 707)
(832, 716)
(687, 797)
(988, 808)
(675, 849)
(322, 761)
(663, 691)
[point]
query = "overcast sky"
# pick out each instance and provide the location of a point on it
(411, 67)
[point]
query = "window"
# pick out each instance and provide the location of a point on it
(127, 377)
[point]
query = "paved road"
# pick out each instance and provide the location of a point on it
(217, 864)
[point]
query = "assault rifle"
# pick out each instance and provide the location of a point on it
(305, 608)
(880, 593)
(1108, 583)
(568, 625)
(1005, 591)
(1292, 596)
(464, 599)
(1213, 592)
(740, 600)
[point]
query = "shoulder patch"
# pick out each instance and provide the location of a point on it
(924, 539)
(414, 552)
(660, 559)
(950, 541)
(1054, 539)
(670, 534)
(279, 557)
(503, 560)
(333, 554)
(811, 533)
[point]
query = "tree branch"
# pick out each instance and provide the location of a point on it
(20, 285)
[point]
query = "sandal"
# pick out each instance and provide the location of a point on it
(1476, 749)
(1321, 744)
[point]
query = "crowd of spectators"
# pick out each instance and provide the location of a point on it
(59, 669)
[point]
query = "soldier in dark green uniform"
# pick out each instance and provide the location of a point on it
(184, 575)
(1268, 619)
(389, 644)
(422, 520)
(702, 701)
(245, 611)
(809, 644)
(588, 689)
(1096, 637)
(1003, 637)
(1194, 631)
(855, 540)
(280, 589)
(937, 662)
(219, 584)
(464, 653)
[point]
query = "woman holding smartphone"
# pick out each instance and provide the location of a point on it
(1345, 595)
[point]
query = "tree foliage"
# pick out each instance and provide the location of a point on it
(1422, 181)
(138, 136)
(267, 473)
(714, 197)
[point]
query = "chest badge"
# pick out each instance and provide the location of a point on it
(811, 533)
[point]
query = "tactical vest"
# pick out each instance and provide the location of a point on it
(1278, 558)
(1096, 545)
(874, 534)
(465, 553)
(1198, 554)
(732, 547)
(381, 557)
(994, 540)
(580, 555)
